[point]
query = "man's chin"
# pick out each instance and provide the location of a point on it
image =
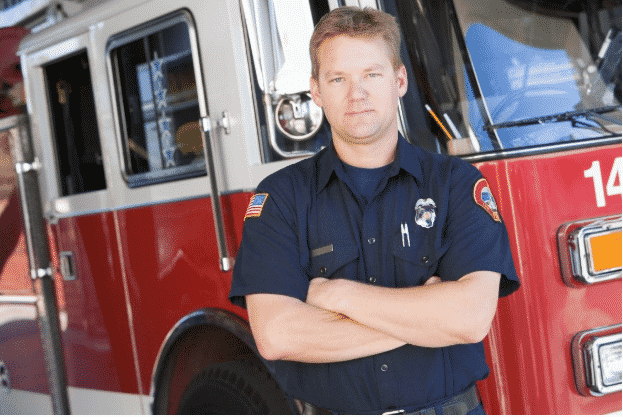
(362, 137)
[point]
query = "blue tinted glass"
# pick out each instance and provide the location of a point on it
(521, 81)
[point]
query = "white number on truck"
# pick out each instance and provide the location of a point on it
(613, 186)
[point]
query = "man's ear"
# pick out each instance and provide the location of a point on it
(314, 90)
(401, 80)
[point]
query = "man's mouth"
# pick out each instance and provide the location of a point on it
(358, 112)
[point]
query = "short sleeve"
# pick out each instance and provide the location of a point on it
(268, 259)
(477, 237)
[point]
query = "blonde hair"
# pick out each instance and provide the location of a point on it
(356, 23)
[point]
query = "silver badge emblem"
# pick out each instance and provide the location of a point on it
(425, 213)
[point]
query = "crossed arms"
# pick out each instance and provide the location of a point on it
(343, 319)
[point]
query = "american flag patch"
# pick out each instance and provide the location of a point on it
(256, 205)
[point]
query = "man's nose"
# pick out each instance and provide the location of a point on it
(357, 89)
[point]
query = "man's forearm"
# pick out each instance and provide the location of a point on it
(445, 314)
(285, 328)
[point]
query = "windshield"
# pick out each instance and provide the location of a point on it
(513, 60)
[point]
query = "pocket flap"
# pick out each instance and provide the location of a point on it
(422, 255)
(325, 262)
(422, 249)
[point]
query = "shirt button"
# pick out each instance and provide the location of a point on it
(425, 259)
(371, 240)
(323, 269)
(372, 280)
(384, 367)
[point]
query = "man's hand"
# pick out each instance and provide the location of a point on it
(325, 293)
(328, 293)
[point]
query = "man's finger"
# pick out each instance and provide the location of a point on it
(433, 280)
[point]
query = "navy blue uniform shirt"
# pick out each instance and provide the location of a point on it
(310, 221)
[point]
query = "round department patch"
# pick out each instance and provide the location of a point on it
(484, 198)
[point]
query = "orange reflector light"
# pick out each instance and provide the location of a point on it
(606, 251)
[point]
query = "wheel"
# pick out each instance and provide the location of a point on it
(238, 387)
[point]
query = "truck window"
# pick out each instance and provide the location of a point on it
(157, 101)
(520, 74)
(76, 137)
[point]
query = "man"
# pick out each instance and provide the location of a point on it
(337, 249)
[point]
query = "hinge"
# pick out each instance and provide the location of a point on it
(41, 273)
(21, 167)
(206, 124)
(225, 123)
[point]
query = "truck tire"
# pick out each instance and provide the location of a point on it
(238, 387)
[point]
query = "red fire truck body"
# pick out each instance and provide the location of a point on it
(534, 331)
(140, 112)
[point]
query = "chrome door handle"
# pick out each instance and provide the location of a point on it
(225, 261)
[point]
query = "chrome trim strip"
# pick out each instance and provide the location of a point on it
(18, 299)
(76, 213)
(538, 150)
(579, 251)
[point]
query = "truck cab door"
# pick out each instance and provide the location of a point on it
(63, 85)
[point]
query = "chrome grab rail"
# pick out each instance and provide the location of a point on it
(27, 168)
(226, 262)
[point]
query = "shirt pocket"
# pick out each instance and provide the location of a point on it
(339, 262)
(414, 264)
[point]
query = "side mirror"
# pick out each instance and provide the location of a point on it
(279, 41)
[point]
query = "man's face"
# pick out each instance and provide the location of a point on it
(358, 89)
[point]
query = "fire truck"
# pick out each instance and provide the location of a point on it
(148, 124)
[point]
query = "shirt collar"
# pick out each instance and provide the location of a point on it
(328, 163)
(407, 158)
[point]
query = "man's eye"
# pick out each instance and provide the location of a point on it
(336, 80)
(374, 75)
